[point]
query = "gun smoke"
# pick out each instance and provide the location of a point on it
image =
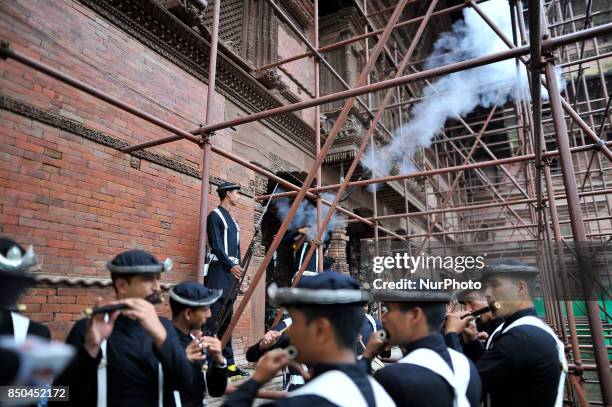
(457, 94)
(306, 215)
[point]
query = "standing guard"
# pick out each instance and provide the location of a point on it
(224, 269)
(190, 304)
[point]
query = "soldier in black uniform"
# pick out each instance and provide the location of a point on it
(523, 362)
(131, 357)
(14, 279)
(326, 312)
(277, 338)
(473, 300)
(224, 265)
(11, 321)
(190, 303)
(301, 240)
(429, 374)
(368, 327)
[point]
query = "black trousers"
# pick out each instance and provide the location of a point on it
(228, 352)
(218, 277)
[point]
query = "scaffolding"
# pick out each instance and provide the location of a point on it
(545, 36)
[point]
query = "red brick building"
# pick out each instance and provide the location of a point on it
(67, 189)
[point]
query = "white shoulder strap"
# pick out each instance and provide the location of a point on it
(458, 378)
(537, 322)
(288, 322)
(371, 321)
(381, 396)
(218, 212)
(237, 231)
(20, 327)
(328, 384)
(177, 398)
(304, 247)
(102, 386)
(490, 339)
(102, 376)
(461, 369)
(160, 385)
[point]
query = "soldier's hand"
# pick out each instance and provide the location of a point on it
(298, 367)
(269, 365)
(195, 351)
(214, 348)
(237, 271)
(483, 336)
(99, 328)
(470, 333)
(374, 347)
(455, 324)
(143, 311)
(304, 230)
(269, 339)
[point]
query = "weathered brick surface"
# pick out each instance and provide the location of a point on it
(79, 202)
(297, 75)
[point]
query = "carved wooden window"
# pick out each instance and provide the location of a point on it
(231, 22)
(247, 27)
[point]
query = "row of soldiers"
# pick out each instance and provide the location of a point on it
(514, 360)
(195, 308)
(134, 357)
(128, 356)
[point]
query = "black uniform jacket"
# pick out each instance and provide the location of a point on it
(522, 367)
(253, 353)
(300, 252)
(34, 328)
(245, 395)
(132, 369)
(412, 385)
(219, 275)
(216, 379)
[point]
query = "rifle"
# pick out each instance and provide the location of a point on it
(234, 289)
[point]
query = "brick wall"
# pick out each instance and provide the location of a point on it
(80, 202)
(58, 307)
(297, 75)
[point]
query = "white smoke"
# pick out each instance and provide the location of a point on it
(456, 94)
(306, 214)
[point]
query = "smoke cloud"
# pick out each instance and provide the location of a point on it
(456, 94)
(306, 214)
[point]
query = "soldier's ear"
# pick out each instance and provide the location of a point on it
(322, 328)
(523, 288)
(416, 315)
(121, 285)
